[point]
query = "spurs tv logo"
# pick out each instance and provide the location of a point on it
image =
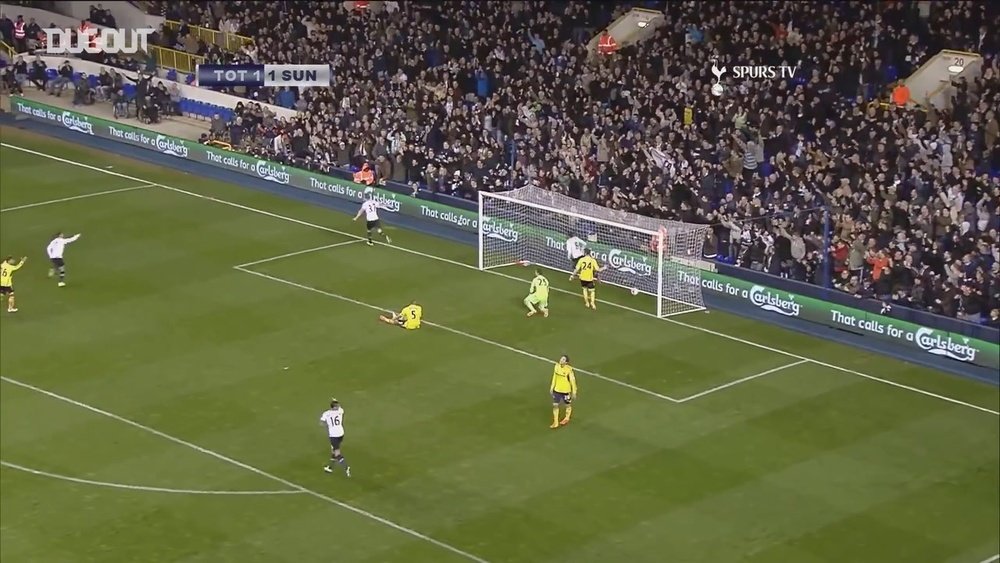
(717, 88)
(744, 72)
(104, 40)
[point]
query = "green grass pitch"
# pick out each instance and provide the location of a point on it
(164, 405)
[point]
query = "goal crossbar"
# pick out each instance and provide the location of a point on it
(573, 214)
(642, 254)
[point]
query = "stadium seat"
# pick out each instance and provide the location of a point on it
(51, 74)
(172, 75)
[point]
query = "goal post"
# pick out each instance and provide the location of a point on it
(658, 258)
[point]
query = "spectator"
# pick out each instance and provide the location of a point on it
(82, 93)
(19, 71)
(642, 133)
(37, 73)
(6, 29)
(63, 77)
(120, 103)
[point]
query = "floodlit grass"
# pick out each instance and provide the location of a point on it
(223, 373)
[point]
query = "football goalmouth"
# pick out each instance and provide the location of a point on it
(659, 258)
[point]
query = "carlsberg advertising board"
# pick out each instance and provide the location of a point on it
(627, 267)
(922, 339)
(392, 202)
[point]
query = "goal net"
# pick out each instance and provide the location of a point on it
(655, 257)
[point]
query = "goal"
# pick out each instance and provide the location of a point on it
(531, 225)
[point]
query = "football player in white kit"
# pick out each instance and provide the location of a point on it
(55, 250)
(333, 420)
(372, 223)
(576, 249)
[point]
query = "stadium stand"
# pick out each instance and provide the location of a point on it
(467, 96)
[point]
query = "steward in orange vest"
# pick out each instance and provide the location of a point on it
(365, 175)
(606, 45)
(20, 37)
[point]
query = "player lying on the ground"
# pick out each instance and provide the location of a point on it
(408, 318)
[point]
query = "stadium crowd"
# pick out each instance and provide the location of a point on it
(467, 96)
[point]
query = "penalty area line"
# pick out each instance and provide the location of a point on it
(144, 488)
(455, 332)
(76, 197)
(297, 253)
(741, 380)
(222, 457)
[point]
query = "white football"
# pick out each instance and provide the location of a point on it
(635, 291)
(716, 89)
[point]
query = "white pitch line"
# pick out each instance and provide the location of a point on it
(222, 457)
(741, 380)
(83, 196)
(716, 333)
(991, 559)
(144, 488)
(297, 253)
(455, 331)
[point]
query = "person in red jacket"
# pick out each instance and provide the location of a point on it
(838, 254)
(365, 175)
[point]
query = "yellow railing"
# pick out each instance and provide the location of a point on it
(229, 41)
(170, 58)
(7, 50)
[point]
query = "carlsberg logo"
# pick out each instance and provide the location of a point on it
(499, 231)
(762, 297)
(629, 264)
(267, 171)
(166, 145)
(76, 123)
(384, 202)
(933, 343)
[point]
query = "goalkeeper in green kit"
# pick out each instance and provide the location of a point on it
(538, 295)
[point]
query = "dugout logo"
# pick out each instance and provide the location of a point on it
(272, 173)
(76, 123)
(767, 300)
(932, 343)
(167, 145)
